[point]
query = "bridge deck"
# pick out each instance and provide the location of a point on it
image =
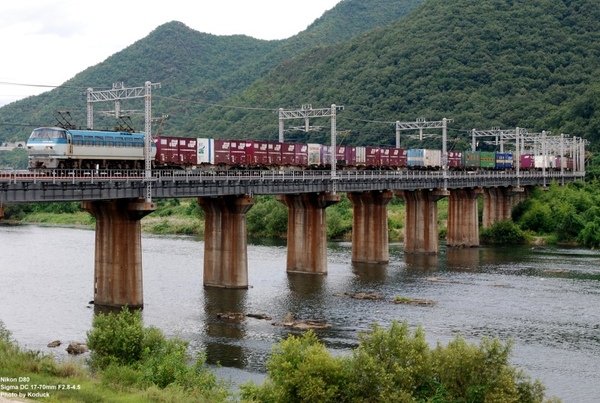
(78, 185)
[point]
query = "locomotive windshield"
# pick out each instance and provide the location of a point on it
(48, 133)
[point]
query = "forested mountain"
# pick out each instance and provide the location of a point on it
(195, 66)
(490, 63)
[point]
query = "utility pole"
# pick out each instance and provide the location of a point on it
(421, 124)
(116, 94)
(307, 112)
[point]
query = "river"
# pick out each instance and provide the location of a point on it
(546, 299)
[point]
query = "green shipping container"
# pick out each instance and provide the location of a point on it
(488, 159)
(470, 159)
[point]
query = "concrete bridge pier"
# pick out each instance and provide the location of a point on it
(118, 255)
(498, 203)
(307, 231)
(370, 242)
(225, 243)
(463, 218)
(421, 226)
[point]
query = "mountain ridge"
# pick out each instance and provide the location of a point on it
(181, 73)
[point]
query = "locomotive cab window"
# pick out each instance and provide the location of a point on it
(48, 133)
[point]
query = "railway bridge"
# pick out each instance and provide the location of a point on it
(120, 199)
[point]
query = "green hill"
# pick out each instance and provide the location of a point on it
(490, 63)
(194, 66)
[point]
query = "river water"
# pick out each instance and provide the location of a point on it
(547, 300)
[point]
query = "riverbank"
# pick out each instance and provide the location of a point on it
(542, 298)
(562, 216)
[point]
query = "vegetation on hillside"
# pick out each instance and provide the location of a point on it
(492, 63)
(567, 214)
(194, 66)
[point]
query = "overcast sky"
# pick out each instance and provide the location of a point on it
(47, 42)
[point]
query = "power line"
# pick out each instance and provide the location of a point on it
(39, 85)
(248, 108)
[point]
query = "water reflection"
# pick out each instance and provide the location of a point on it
(225, 326)
(369, 274)
(421, 262)
(462, 259)
(306, 296)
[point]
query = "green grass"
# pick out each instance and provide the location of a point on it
(72, 382)
(80, 218)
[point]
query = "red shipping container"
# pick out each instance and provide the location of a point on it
(350, 156)
(175, 151)
(301, 155)
(238, 153)
(454, 159)
(373, 156)
(569, 163)
(166, 150)
(384, 157)
(342, 155)
(397, 157)
(257, 153)
(527, 161)
(288, 154)
(222, 150)
(187, 151)
(274, 151)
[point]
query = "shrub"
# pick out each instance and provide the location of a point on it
(503, 232)
(129, 355)
(116, 339)
(590, 234)
(300, 370)
(267, 218)
(393, 364)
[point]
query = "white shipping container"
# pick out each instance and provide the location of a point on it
(314, 154)
(432, 158)
(361, 155)
(205, 151)
(542, 161)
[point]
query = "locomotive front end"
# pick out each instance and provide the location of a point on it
(47, 147)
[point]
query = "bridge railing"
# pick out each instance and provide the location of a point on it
(198, 175)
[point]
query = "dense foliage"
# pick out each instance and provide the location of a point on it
(15, 159)
(129, 354)
(569, 213)
(503, 232)
(493, 63)
(193, 66)
(167, 376)
(393, 365)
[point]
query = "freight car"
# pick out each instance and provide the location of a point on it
(57, 148)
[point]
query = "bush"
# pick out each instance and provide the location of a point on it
(129, 355)
(267, 218)
(116, 339)
(503, 232)
(590, 235)
(393, 364)
(538, 218)
(301, 370)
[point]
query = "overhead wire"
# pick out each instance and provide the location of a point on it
(204, 103)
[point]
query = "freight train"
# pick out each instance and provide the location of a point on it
(57, 148)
